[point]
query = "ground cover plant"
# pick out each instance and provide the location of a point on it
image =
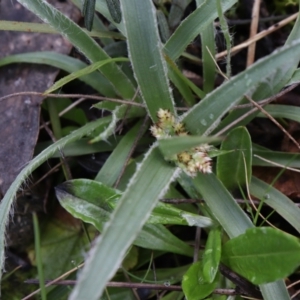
(179, 157)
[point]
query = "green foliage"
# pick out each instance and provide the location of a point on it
(212, 255)
(258, 253)
(238, 163)
(135, 216)
(194, 284)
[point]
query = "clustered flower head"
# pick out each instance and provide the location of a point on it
(192, 161)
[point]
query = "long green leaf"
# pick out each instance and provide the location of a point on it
(45, 28)
(282, 158)
(66, 63)
(114, 164)
(145, 51)
(85, 71)
(223, 206)
(283, 111)
(206, 115)
(269, 86)
(275, 199)
(7, 201)
(194, 24)
(149, 183)
(82, 41)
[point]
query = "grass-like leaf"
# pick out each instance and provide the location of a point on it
(149, 183)
(83, 42)
(69, 64)
(7, 201)
(83, 72)
(114, 164)
(206, 115)
(146, 55)
(193, 25)
(275, 199)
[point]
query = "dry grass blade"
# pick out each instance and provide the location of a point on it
(253, 32)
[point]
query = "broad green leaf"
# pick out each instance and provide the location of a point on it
(98, 209)
(150, 182)
(262, 254)
(194, 285)
(145, 51)
(93, 202)
(174, 145)
(278, 201)
(87, 70)
(61, 245)
(234, 169)
(173, 296)
(212, 255)
(206, 115)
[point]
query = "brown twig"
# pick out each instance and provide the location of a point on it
(254, 109)
(244, 285)
(54, 281)
(253, 32)
(180, 201)
(134, 285)
(71, 96)
(270, 99)
(259, 36)
(94, 97)
(274, 121)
